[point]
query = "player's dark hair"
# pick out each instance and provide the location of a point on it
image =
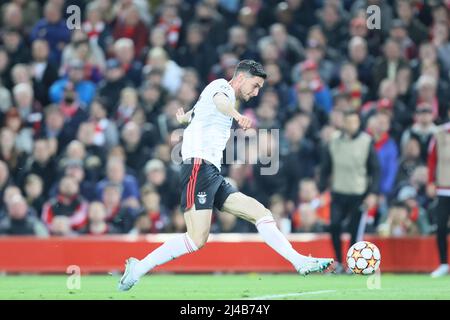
(251, 67)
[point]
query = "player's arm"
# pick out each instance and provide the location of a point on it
(184, 117)
(224, 105)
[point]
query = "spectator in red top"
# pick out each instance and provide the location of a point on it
(68, 203)
(97, 30)
(120, 217)
(171, 22)
(154, 210)
(131, 26)
(313, 210)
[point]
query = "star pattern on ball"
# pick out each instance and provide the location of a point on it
(371, 246)
(357, 271)
(356, 254)
(372, 262)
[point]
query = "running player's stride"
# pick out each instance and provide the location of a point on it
(204, 140)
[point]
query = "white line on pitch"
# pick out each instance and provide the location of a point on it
(286, 295)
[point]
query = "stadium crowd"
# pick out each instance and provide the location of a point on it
(88, 124)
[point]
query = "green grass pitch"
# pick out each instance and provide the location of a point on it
(229, 287)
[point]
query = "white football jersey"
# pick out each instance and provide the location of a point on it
(207, 134)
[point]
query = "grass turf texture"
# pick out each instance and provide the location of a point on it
(228, 287)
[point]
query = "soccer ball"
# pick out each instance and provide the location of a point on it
(363, 258)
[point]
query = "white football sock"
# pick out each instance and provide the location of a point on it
(169, 250)
(276, 240)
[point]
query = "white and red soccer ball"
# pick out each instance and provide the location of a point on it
(363, 258)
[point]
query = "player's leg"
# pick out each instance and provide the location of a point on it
(251, 210)
(442, 212)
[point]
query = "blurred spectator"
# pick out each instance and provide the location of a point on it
(441, 42)
(171, 23)
(387, 152)
(248, 20)
(68, 203)
(55, 129)
(5, 178)
(106, 133)
(84, 89)
(137, 151)
(53, 29)
(289, 48)
(24, 135)
(95, 26)
(359, 56)
(351, 160)
(409, 160)
(120, 217)
(196, 53)
(9, 152)
(277, 206)
(34, 192)
(19, 220)
(125, 52)
(408, 195)
(399, 33)
(97, 224)
(211, 22)
(110, 88)
(386, 66)
(89, 52)
(399, 222)
(350, 85)
(130, 25)
(29, 110)
(422, 130)
(333, 25)
(238, 44)
(156, 212)
(61, 227)
(312, 213)
(171, 72)
(164, 181)
(115, 173)
(15, 46)
(127, 106)
(416, 30)
(322, 93)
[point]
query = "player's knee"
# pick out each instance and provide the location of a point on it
(200, 238)
(259, 211)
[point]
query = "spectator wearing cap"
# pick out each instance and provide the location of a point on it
(43, 72)
(119, 216)
(316, 52)
(85, 89)
(164, 181)
(111, 86)
(68, 203)
(439, 186)
(125, 52)
(20, 221)
(322, 93)
(351, 159)
(89, 52)
(415, 29)
(422, 130)
(52, 28)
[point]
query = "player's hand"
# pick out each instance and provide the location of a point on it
(244, 122)
(182, 117)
